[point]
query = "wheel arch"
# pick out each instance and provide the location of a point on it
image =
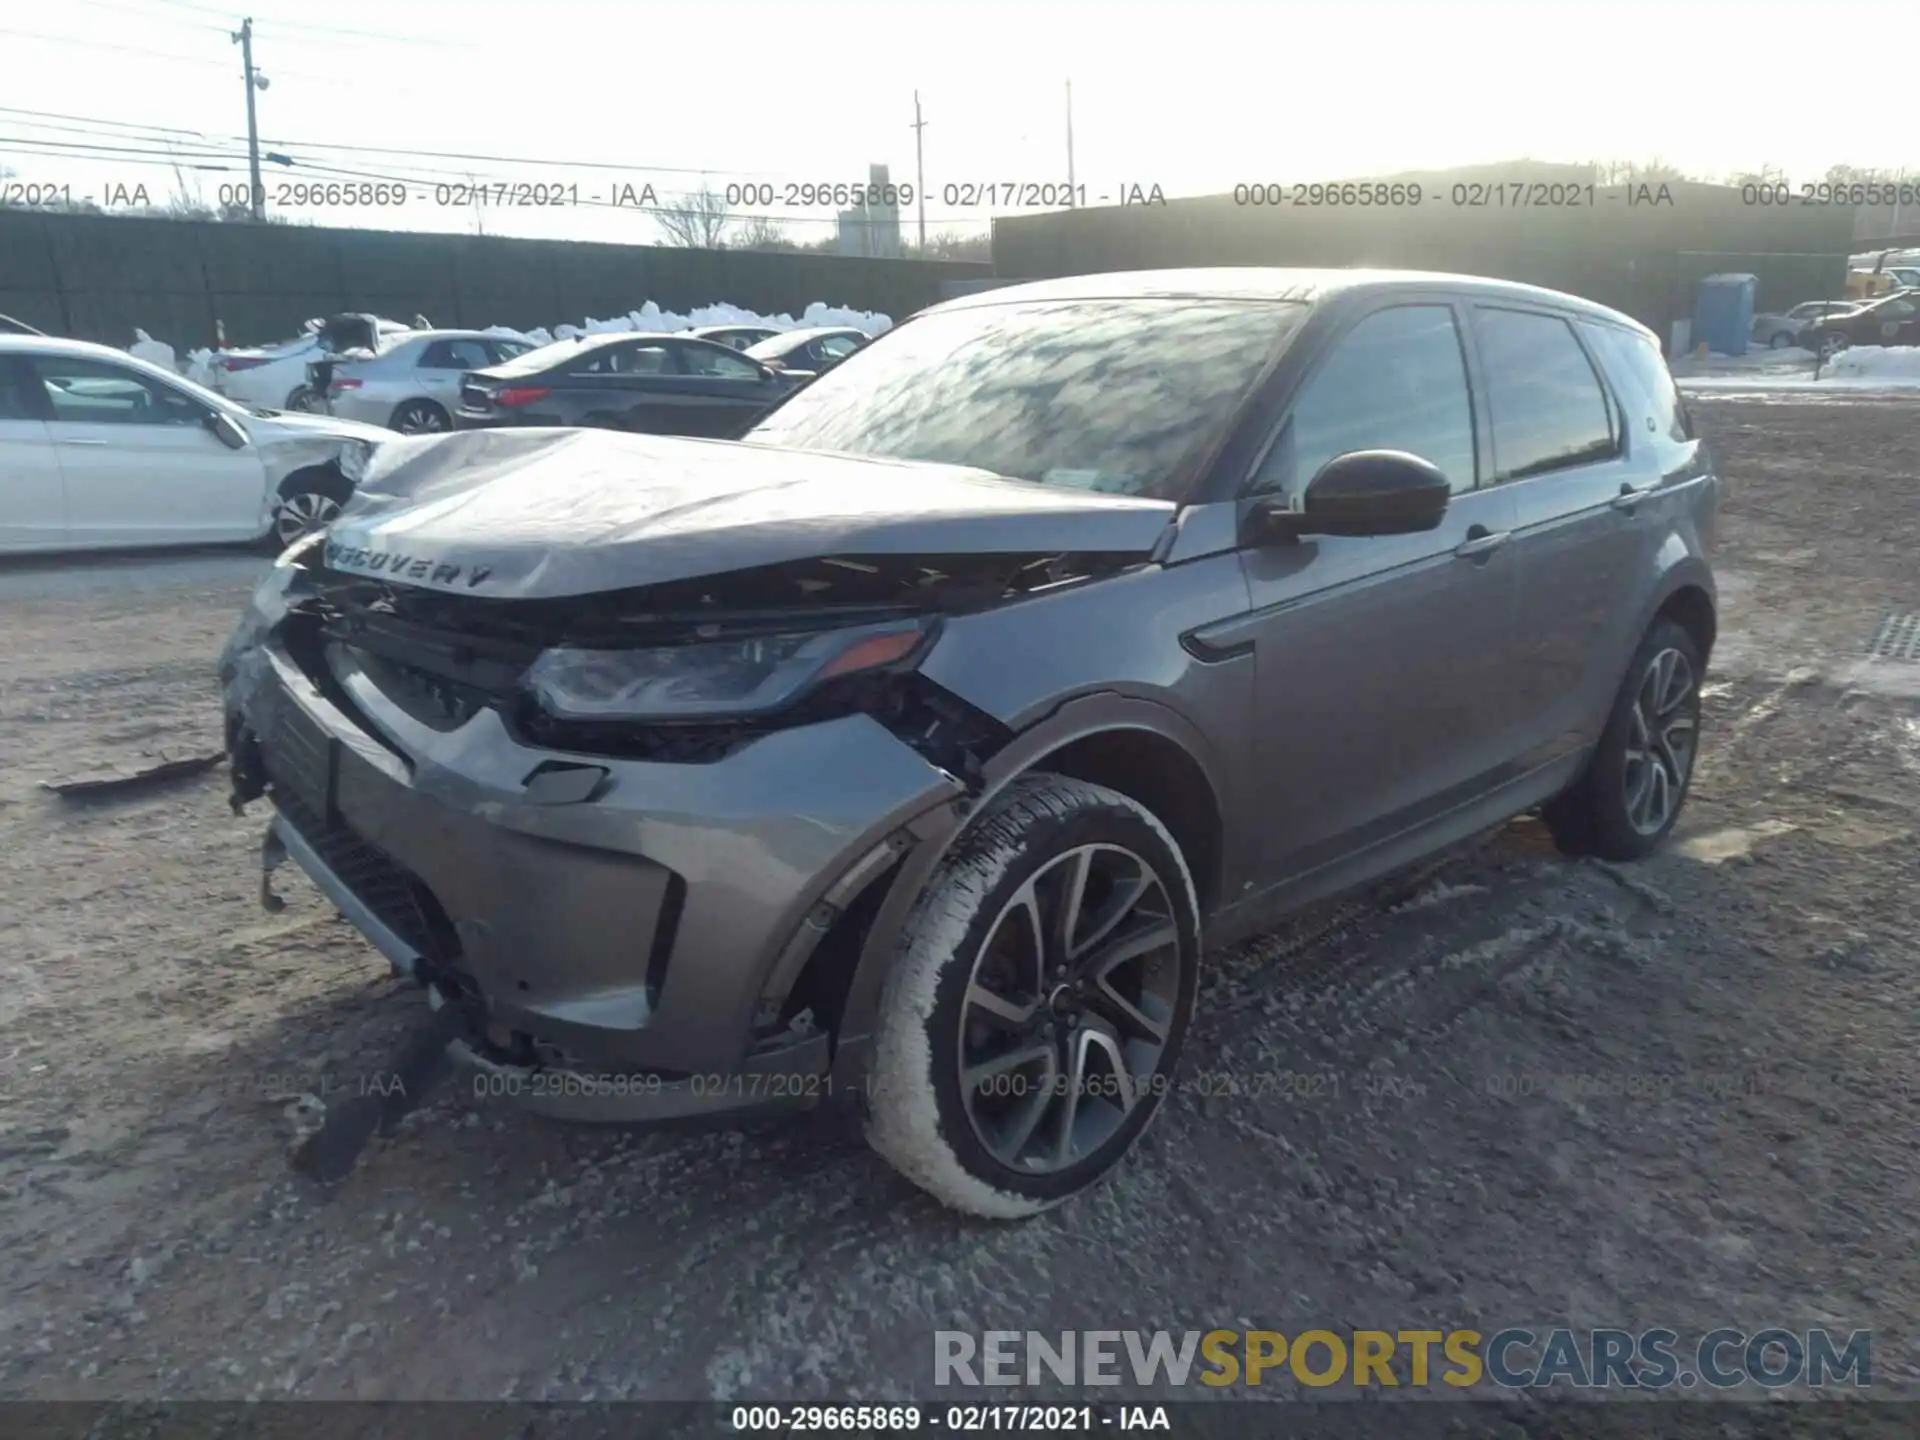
(1690, 605)
(319, 470)
(1140, 748)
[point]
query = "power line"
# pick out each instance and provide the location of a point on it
(147, 54)
(146, 14)
(519, 159)
(310, 28)
(123, 49)
(401, 176)
(89, 120)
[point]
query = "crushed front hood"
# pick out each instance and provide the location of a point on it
(537, 513)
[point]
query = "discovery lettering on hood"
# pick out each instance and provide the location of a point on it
(400, 565)
(538, 514)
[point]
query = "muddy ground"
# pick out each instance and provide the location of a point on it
(1528, 1090)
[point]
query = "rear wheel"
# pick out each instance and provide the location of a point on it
(305, 400)
(1626, 803)
(1779, 340)
(308, 501)
(419, 417)
(1030, 1029)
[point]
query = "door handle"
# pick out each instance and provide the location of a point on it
(74, 440)
(1481, 542)
(1629, 498)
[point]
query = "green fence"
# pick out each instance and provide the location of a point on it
(96, 277)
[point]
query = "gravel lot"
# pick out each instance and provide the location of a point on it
(1527, 1091)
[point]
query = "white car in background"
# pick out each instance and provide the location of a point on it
(274, 377)
(101, 450)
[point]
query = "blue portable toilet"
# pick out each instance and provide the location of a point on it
(1723, 313)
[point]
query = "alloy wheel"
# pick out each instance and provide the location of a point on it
(1069, 1008)
(1661, 741)
(420, 420)
(303, 513)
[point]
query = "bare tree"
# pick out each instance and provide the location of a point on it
(700, 222)
(763, 233)
(1634, 172)
(955, 245)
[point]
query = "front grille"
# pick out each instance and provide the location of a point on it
(298, 759)
(393, 893)
(431, 698)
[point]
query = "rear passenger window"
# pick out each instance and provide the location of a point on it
(1647, 387)
(455, 355)
(17, 401)
(1396, 381)
(1549, 410)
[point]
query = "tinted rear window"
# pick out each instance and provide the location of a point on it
(1646, 385)
(1548, 408)
(1111, 395)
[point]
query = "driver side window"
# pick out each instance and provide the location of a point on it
(92, 392)
(1395, 381)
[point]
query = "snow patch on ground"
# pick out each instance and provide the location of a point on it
(1863, 367)
(1895, 364)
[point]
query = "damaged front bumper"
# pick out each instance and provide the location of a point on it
(622, 937)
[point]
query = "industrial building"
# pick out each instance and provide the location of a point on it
(1641, 247)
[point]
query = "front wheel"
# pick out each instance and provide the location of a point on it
(1831, 345)
(308, 501)
(1029, 1031)
(1626, 803)
(1779, 340)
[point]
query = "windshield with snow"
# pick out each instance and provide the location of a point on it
(1109, 395)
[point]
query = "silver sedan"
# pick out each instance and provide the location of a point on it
(413, 384)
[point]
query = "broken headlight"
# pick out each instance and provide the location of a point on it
(739, 678)
(354, 457)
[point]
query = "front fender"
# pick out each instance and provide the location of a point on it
(1077, 719)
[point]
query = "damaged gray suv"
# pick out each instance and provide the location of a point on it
(911, 748)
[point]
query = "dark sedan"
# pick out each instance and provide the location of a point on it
(653, 384)
(1891, 320)
(809, 352)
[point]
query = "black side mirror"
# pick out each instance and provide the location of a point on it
(226, 431)
(1364, 492)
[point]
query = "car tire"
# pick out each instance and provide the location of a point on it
(305, 400)
(307, 499)
(1831, 345)
(1779, 340)
(976, 985)
(1626, 802)
(419, 417)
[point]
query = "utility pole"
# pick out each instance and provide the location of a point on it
(920, 170)
(243, 37)
(1071, 192)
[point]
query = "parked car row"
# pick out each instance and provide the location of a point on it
(1829, 326)
(100, 449)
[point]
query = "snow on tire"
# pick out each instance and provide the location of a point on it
(1064, 927)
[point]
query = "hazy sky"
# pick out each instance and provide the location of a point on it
(1193, 96)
